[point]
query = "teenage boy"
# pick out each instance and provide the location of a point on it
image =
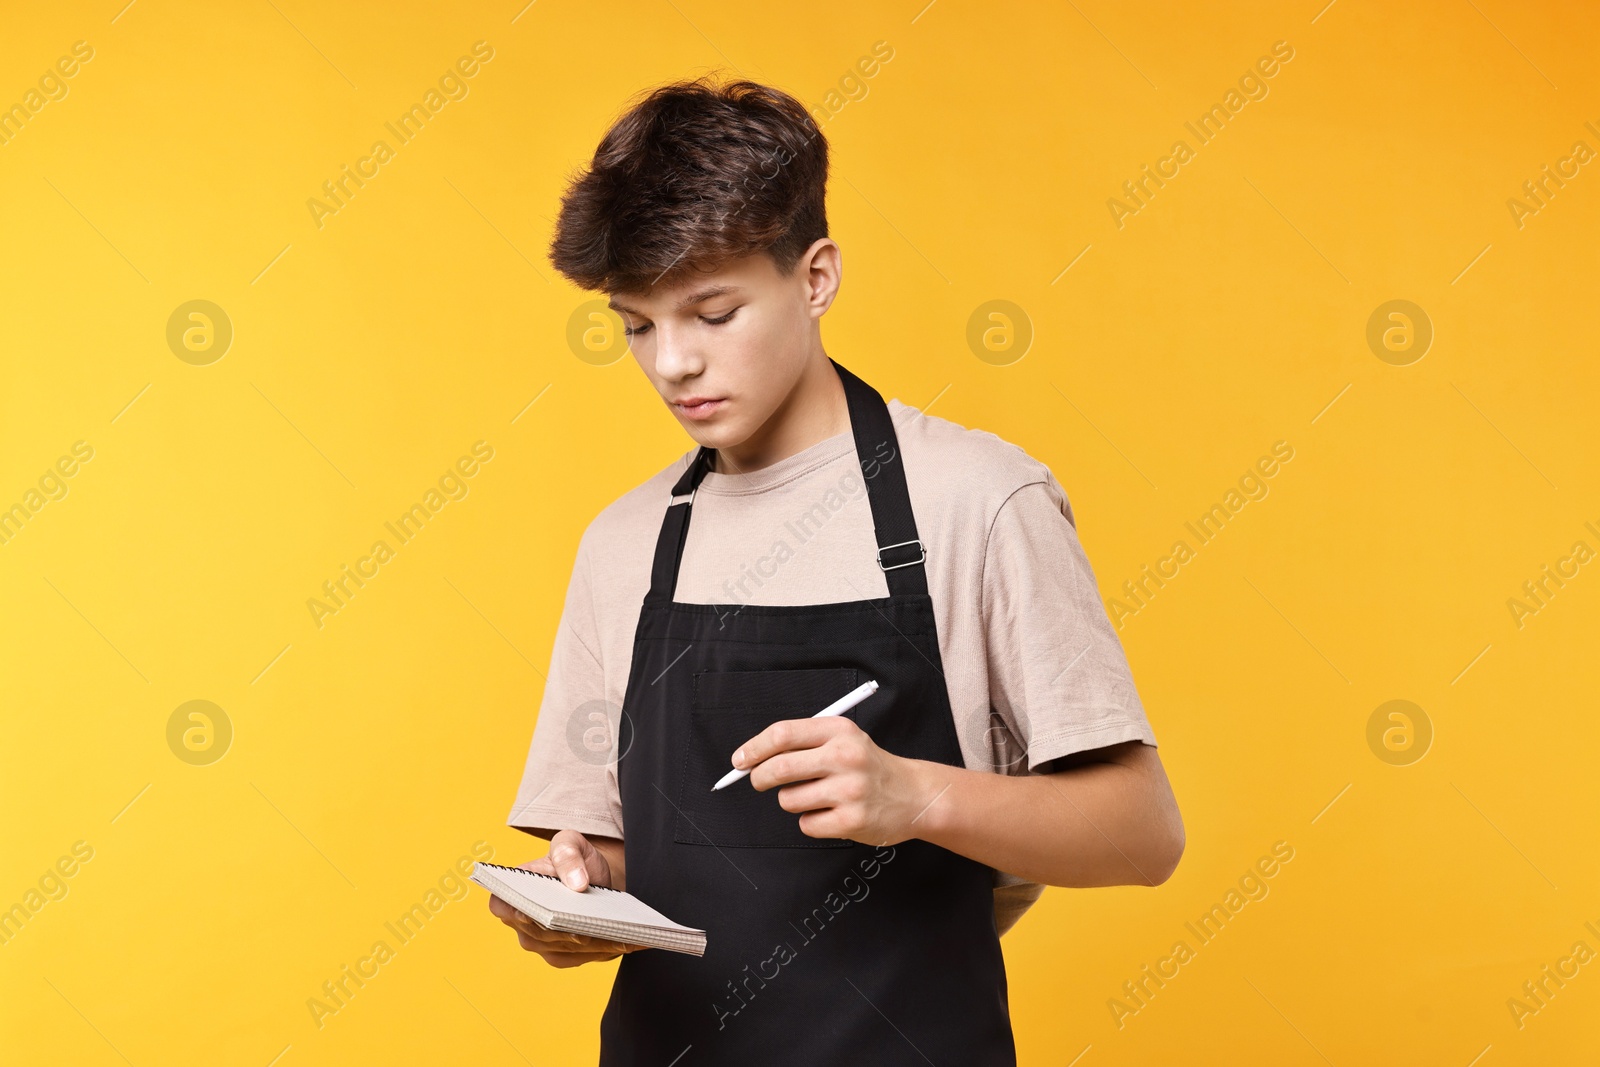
(852, 887)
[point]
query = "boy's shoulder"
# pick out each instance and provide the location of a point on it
(965, 474)
(955, 475)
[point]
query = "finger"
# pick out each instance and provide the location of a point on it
(544, 934)
(810, 796)
(544, 940)
(576, 960)
(560, 958)
(589, 945)
(503, 910)
(821, 824)
(556, 938)
(570, 852)
(788, 734)
(797, 765)
(596, 866)
(524, 924)
(533, 944)
(556, 941)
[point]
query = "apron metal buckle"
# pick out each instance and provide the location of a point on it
(923, 554)
(677, 498)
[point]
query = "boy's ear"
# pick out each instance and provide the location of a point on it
(821, 267)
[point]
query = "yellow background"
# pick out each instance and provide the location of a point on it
(370, 754)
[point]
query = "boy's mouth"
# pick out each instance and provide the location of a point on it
(699, 407)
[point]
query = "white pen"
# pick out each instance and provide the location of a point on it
(838, 707)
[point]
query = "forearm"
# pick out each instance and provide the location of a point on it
(1094, 825)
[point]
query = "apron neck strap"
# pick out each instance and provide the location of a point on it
(900, 552)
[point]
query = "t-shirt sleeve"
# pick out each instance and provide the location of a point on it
(1058, 677)
(570, 780)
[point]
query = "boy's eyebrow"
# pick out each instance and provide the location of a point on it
(688, 301)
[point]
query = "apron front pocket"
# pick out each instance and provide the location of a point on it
(729, 708)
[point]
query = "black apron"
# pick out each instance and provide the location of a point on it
(819, 951)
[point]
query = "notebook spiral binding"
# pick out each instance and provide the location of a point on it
(551, 877)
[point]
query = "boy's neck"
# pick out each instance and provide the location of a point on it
(814, 411)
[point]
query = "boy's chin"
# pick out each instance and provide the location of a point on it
(717, 434)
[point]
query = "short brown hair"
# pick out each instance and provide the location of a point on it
(693, 175)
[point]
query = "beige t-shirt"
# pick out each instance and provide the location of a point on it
(1032, 665)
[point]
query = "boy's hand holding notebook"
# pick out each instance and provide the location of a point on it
(596, 912)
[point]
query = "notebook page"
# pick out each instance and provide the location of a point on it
(602, 905)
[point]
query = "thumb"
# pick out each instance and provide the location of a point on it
(574, 857)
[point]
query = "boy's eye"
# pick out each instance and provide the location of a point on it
(635, 331)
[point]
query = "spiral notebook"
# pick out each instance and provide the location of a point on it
(595, 912)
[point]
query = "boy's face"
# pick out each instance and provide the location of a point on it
(738, 339)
